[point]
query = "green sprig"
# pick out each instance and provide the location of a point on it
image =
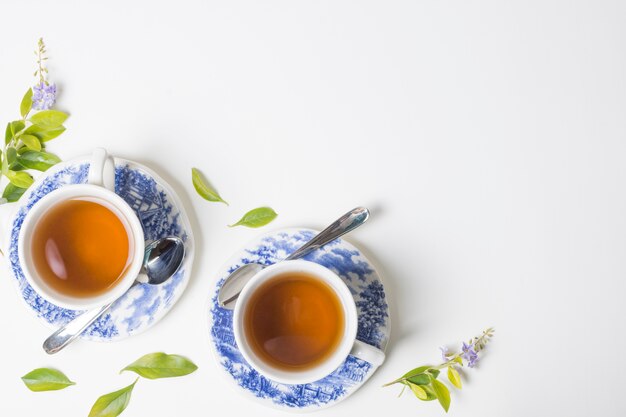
(25, 138)
(423, 382)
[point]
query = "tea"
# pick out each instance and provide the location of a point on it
(80, 248)
(294, 321)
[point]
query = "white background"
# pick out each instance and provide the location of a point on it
(487, 137)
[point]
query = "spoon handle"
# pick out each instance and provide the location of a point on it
(349, 221)
(66, 334)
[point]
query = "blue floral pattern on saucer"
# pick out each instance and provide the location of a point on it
(373, 318)
(161, 214)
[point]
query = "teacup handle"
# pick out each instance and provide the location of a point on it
(102, 169)
(368, 353)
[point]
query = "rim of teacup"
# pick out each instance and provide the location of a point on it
(335, 359)
(113, 202)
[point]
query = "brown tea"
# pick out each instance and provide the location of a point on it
(294, 321)
(80, 248)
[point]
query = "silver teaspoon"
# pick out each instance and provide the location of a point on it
(162, 258)
(235, 282)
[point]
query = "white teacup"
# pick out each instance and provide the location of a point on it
(348, 345)
(99, 189)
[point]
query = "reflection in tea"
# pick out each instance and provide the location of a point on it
(294, 321)
(80, 248)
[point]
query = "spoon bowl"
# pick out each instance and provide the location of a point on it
(162, 259)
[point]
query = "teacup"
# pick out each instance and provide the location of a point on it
(279, 297)
(99, 190)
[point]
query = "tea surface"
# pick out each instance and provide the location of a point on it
(80, 248)
(294, 321)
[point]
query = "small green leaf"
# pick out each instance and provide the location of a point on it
(256, 217)
(40, 161)
(49, 118)
(434, 372)
(443, 394)
(416, 371)
(44, 134)
(112, 404)
(27, 103)
(8, 134)
(11, 155)
(161, 365)
(430, 392)
(31, 142)
(20, 178)
(17, 126)
(454, 377)
(459, 360)
(419, 379)
(418, 391)
(46, 379)
(12, 192)
(203, 188)
(15, 166)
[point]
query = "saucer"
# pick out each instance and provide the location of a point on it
(161, 214)
(373, 322)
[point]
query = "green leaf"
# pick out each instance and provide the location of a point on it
(27, 103)
(44, 134)
(419, 379)
(203, 188)
(15, 166)
(13, 128)
(40, 161)
(459, 360)
(112, 404)
(20, 178)
(31, 142)
(161, 365)
(12, 192)
(46, 379)
(11, 155)
(17, 126)
(430, 392)
(418, 391)
(49, 118)
(256, 217)
(454, 377)
(8, 134)
(434, 372)
(416, 371)
(443, 394)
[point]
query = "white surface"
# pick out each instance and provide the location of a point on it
(488, 138)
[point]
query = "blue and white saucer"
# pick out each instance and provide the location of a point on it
(161, 214)
(364, 283)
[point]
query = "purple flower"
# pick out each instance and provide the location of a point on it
(444, 353)
(44, 96)
(469, 354)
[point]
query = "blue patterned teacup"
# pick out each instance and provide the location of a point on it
(99, 189)
(348, 345)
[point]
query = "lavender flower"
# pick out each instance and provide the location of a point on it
(469, 354)
(44, 96)
(428, 374)
(444, 353)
